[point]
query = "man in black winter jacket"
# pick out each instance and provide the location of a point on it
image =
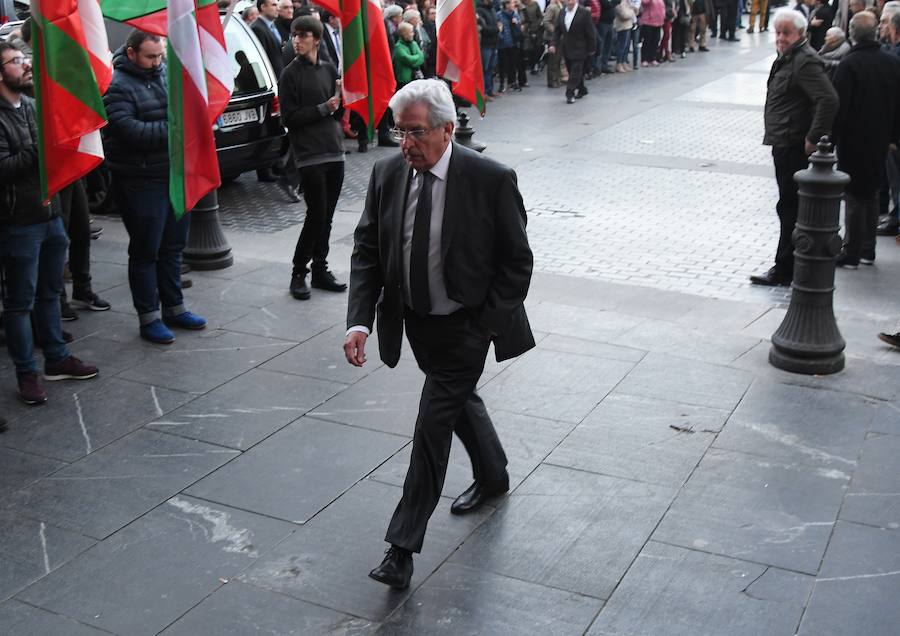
(33, 241)
(309, 93)
(136, 142)
(868, 84)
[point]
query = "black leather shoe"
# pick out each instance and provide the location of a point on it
(326, 280)
(888, 228)
(299, 288)
(772, 278)
(396, 570)
(477, 494)
(570, 99)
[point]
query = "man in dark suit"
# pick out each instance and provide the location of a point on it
(267, 33)
(575, 31)
(441, 246)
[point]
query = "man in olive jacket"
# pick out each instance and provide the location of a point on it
(800, 108)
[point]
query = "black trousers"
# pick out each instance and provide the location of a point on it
(649, 42)
(788, 160)
(576, 77)
(729, 19)
(321, 189)
(860, 224)
(77, 220)
(507, 66)
(451, 351)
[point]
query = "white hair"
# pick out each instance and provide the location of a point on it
(890, 8)
(785, 14)
(432, 92)
(411, 13)
(835, 32)
(392, 11)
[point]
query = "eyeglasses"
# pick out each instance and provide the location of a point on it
(417, 134)
(18, 61)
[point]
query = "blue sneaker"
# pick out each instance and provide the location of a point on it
(186, 320)
(157, 332)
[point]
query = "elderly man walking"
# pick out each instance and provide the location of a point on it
(868, 84)
(440, 247)
(800, 107)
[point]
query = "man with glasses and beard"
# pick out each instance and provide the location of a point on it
(33, 241)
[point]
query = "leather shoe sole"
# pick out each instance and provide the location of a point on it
(396, 583)
(330, 287)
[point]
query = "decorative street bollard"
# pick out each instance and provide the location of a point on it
(464, 133)
(207, 248)
(808, 340)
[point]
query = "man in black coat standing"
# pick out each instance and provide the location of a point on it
(266, 32)
(441, 246)
(800, 108)
(868, 83)
(575, 31)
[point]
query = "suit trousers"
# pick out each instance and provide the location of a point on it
(860, 224)
(451, 351)
(321, 189)
(698, 29)
(788, 160)
(576, 77)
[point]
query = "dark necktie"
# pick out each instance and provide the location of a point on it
(418, 257)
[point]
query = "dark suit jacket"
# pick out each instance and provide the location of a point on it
(487, 260)
(270, 46)
(580, 41)
(328, 42)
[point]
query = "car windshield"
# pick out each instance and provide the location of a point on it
(250, 74)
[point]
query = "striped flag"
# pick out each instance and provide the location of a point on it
(458, 52)
(73, 69)
(200, 82)
(368, 81)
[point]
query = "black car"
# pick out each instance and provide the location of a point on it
(249, 134)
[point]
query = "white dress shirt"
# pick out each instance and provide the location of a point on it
(336, 39)
(570, 15)
(440, 303)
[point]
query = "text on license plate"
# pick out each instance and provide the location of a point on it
(235, 117)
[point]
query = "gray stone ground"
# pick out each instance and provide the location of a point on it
(666, 479)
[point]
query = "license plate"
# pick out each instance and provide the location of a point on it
(236, 117)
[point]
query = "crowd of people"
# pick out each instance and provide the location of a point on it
(822, 79)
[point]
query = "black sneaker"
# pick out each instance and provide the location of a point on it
(843, 260)
(867, 258)
(89, 300)
(326, 280)
(299, 288)
(66, 313)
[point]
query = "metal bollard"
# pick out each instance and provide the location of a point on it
(207, 248)
(464, 132)
(808, 340)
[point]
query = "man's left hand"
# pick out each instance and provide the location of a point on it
(809, 147)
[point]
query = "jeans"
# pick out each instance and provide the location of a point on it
(622, 39)
(321, 189)
(488, 62)
(604, 46)
(32, 258)
(155, 246)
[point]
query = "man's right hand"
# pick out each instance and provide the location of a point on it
(355, 348)
(551, 50)
(333, 104)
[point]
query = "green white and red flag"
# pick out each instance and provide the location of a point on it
(458, 51)
(368, 82)
(73, 69)
(200, 82)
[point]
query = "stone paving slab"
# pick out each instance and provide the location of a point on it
(856, 590)
(164, 563)
(752, 508)
(874, 495)
(569, 530)
(640, 438)
(25, 620)
(670, 591)
(237, 609)
(248, 409)
(299, 470)
(118, 483)
(325, 562)
(30, 550)
(462, 600)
